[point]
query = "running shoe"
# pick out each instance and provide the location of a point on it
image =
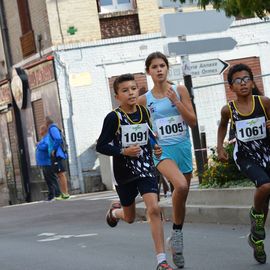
(257, 224)
(111, 220)
(258, 249)
(62, 197)
(176, 246)
(164, 266)
(65, 196)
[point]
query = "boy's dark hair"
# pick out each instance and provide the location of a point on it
(120, 79)
(238, 68)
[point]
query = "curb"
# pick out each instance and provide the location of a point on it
(222, 206)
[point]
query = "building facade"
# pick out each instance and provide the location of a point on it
(71, 51)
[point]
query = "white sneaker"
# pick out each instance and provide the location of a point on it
(176, 246)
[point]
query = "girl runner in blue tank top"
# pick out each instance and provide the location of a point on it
(171, 114)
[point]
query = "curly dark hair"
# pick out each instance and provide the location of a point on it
(238, 68)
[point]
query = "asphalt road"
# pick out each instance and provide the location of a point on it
(72, 235)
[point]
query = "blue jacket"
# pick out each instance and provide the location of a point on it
(55, 143)
(42, 153)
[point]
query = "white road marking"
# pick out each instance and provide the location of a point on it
(56, 237)
(47, 234)
(103, 198)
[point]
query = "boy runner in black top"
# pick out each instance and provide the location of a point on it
(125, 136)
(249, 119)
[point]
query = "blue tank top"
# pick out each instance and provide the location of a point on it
(167, 121)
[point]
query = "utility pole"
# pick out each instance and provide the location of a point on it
(186, 69)
(195, 131)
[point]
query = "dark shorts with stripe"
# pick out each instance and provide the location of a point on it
(256, 173)
(59, 164)
(128, 192)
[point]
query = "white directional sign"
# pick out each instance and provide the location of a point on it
(175, 72)
(198, 69)
(190, 23)
(199, 46)
(208, 67)
(177, 4)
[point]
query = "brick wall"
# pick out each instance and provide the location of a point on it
(40, 23)
(141, 81)
(149, 15)
(80, 14)
(14, 29)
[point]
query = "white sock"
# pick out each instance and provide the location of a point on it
(113, 213)
(161, 257)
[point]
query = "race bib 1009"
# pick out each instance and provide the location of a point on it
(251, 129)
(134, 134)
(171, 126)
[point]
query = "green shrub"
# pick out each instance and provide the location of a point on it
(219, 174)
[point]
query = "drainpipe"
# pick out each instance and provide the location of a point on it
(6, 43)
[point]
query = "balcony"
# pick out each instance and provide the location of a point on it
(119, 24)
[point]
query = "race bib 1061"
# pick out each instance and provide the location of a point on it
(251, 129)
(134, 134)
(171, 126)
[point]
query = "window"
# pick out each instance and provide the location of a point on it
(115, 5)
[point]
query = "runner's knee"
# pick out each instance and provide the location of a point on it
(265, 187)
(130, 220)
(153, 210)
(181, 188)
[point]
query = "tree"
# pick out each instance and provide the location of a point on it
(238, 8)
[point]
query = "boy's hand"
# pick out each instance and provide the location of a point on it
(268, 124)
(133, 151)
(222, 155)
(157, 151)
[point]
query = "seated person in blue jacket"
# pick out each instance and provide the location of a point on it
(44, 161)
(58, 155)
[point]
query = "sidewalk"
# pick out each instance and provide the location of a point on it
(223, 206)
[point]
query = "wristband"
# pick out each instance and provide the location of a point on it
(122, 151)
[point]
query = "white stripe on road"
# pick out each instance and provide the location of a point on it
(64, 236)
(102, 198)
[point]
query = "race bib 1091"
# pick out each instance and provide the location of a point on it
(134, 134)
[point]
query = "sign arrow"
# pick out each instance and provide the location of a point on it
(208, 67)
(198, 69)
(200, 46)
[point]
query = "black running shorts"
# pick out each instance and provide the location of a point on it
(256, 173)
(128, 192)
